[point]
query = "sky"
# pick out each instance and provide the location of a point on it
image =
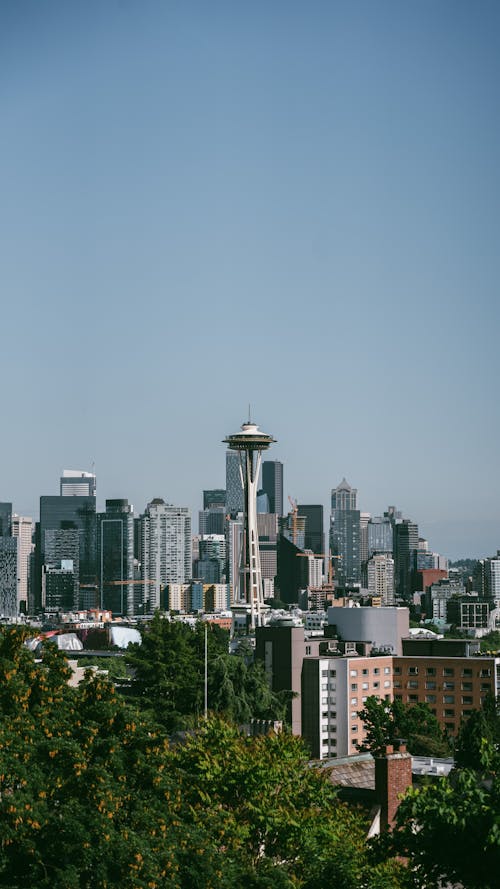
(288, 204)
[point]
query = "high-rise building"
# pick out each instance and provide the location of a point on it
(75, 483)
(212, 520)
(8, 577)
(5, 519)
(22, 528)
(364, 518)
(314, 535)
(214, 497)
(58, 587)
(379, 535)
(345, 534)
(405, 546)
(272, 484)
(63, 546)
(381, 577)
(210, 567)
(72, 513)
(235, 498)
(165, 549)
(115, 557)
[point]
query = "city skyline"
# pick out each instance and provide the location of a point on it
(333, 172)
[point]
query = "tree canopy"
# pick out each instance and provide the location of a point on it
(386, 723)
(169, 671)
(93, 796)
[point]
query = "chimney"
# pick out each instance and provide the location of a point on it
(392, 779)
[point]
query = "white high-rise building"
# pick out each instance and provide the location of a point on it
(381, 577)
(76, 483)
(22, 528)
(494, 579)
(165, 548)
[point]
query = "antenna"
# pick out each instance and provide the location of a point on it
(249, 414)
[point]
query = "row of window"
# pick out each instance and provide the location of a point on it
(365, 671)
(446, 671)
(446, 686)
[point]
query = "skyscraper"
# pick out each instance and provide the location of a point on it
(272, 484)
(115, 557)
(314, 536)
(405, 546)
(76, 483)
(165, 549)
(5, 519)
(381, 577)
(235, 499)
(345, 534)
(8, 577)
(77, 513)
(22, 528)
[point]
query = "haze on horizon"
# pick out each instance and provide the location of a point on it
(294, 205)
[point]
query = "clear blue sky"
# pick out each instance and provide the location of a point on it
(294, 204)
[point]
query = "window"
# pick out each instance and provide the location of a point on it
(466, 686)
(413, 699)
(354, 701)
(448, 671)
(365, 672)
(354, 673)
(376, 684)
(431, 671)
(412, 683)
(450, 726)
(308, 649)
(354, 715)
(467, 671)
(449, 686)
(387, 697)
(485, 686)
(364, 685)
(364, 700)
(354, 728)
(333, 673)
(466, 699)
(324, 672)
(430, 685)
(354, 686)
(376, 671)
(398, 697)
(324, 686)
(448, 699)
(413, 671)
(397, 669)
(387, 670)
(449, 713)
(387, 683)
(430, 699)
(397, 683)
(485, 672)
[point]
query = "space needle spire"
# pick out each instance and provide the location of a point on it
(250, 442)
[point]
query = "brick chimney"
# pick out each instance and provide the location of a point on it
(392, 779)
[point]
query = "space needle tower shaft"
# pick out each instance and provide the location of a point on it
(250, 442)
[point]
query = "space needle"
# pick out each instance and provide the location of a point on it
(250, 442)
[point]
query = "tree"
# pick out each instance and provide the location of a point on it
(169, 673)
(478, 738)
(386, 723)
(450, 832)
(92, 796)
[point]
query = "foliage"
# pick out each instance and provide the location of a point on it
(491, 641)
(115, 667)
(169, 669)
(478, 740)
(93, 797)
(386, 723)
(450, 832)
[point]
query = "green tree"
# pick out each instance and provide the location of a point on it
(478, 737)
(93, 797)
(386, 723)
(450, 832)
(169, 669)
